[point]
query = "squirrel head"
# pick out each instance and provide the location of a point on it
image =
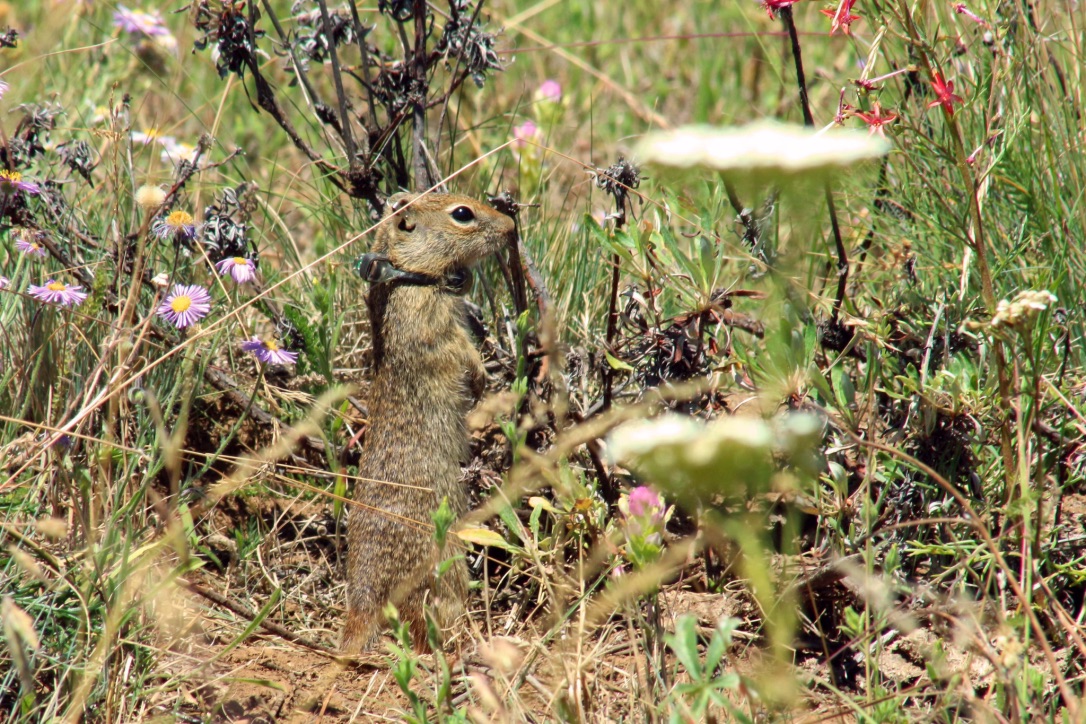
(435, 234)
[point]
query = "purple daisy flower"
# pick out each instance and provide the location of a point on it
(139, 22)
(186, 305)
(177, 225)
(54, 292)
(11, 182)
(268, 351)
(27, 243)
(4, 282)
(241, 269)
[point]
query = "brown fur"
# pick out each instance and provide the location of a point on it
(428, 375)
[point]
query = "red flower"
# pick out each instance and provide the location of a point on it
(875, 120)
(944, 94)
(841, 17)
(773, 6)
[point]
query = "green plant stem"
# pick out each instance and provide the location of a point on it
(976, 243)
(808, 120)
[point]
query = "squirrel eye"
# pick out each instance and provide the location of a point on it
(462, 214)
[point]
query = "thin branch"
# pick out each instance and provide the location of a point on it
(265, 98)
(341, 96)
(360, 33)
(299, 69)
(419, 70)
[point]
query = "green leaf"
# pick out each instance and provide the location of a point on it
(486, 538)
(617, 364)
(684, 642)
(718, 644)
(443, 518)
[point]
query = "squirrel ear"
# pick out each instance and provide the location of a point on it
(398, 201)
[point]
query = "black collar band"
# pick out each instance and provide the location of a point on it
(377, 269)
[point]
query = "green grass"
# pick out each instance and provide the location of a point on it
(945, 482)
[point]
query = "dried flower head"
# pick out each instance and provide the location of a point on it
(177, 225)
(160, 280)
(314, 38)
(54, 292)
(464, 40)
(224, 229)
(268, 351)
(77, 156)
(150, 197)
(227, 27)
(11, 183)
(241, 269)
(186, 305)
(618, 179)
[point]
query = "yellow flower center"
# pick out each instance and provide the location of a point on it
(270, 345)
(12, 176)
(179, 218)
(239, 261)
(181, 304)
(56, 287)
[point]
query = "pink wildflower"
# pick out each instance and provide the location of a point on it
(28, 243)
(944, 94)
(268, 351)
(875, 119)
(54, 292)
(841, 17)
(549, 90)
(241, 269)
(11, 183)
(523, 133)
(961, 9)
(772, 7)
(186, 305)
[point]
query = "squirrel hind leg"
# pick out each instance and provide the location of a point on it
(360, 631)
(445, 605)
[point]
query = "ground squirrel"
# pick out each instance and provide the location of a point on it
(428, 375)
